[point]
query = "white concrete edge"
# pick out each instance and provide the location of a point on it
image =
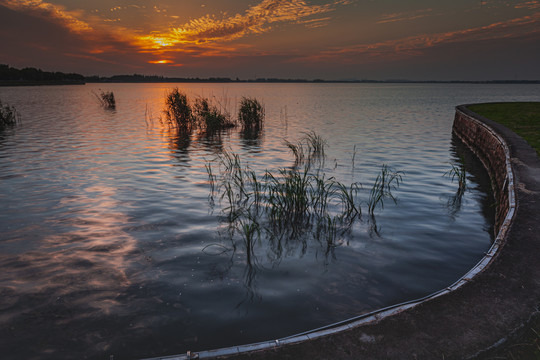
(379, 314)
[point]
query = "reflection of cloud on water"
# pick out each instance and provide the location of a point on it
(74, 275)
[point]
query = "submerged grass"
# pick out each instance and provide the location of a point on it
(8, 116)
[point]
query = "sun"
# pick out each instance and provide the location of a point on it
(160, 62)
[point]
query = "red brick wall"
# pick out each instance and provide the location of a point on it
(484, 142)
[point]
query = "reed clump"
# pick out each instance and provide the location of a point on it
(251, 114)
(106, 99)
(178, 112)
(8, 116)
(209, 117)
(206, 116)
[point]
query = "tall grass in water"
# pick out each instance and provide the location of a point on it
(387, 181)
(178, 111)
(309, 148)
(206, 116)
(290, 203)
(458, 172)
(106, 99)
(297, 150)
(251, 114)
(281, 212)
(315, 144)
(209, 117)
(8, 116)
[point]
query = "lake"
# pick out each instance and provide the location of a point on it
(114, 241)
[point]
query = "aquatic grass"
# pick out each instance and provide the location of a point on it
(8, 116)
(308, 148)
(211, 178)
(323, 190)
(353, 158)
(205, 115)
(251, 113)
(288, 196)
(458, 172)
(106, 99)
(387, 181)
(297, 150)
(316, 144)
(209, 117)
(178, 112)
(348, 197)
(289, 200)
(288, 206)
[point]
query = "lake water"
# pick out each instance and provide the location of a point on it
(111, 243)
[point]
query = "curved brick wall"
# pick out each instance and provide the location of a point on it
(492, 151)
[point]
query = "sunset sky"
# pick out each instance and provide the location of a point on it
(328, 39)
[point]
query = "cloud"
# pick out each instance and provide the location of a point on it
(257, 19)
(405, 16)
(528, 5)
(414, 45)
(68, 19)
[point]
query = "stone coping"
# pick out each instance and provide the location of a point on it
(476, 313)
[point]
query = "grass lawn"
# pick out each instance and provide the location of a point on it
(524, 119)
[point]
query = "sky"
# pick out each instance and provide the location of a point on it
(247, 39)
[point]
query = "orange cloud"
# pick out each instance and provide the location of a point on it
(257, 19)
(47, 10)
(528, 5)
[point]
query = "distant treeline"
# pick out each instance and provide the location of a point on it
(32, 76)
(13, 76)
(136, 78)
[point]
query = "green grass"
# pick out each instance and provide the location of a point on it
(523, 118)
